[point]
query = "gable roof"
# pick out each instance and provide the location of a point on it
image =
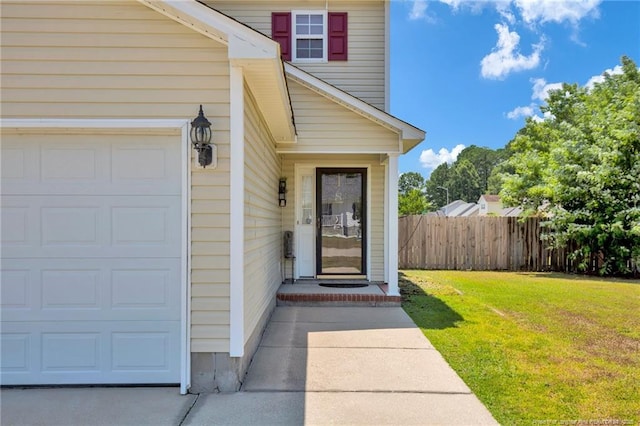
(264, 70)
(490, 198)
(410, 135)
(256, 53)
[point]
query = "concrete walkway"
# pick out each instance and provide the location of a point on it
(314, 366)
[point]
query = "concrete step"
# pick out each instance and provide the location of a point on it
(314, 293)
(364, 300)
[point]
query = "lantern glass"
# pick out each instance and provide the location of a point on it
(200, 130)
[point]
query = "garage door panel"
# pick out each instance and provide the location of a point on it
(14, 290)
(91, 258)
(123, 352)
(16, 223)
(92, 290)
(91, 164)
(96, 226)
(16, 352)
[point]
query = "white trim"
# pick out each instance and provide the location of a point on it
(333, 165)
(386, 216)
(369, 202)
(295, 36)
(288, 149)
(392, 224)
(245, 47)
(387, 54)
(182, 126)
(185, 370)
(213, 24)
(92, 123)
(236, 210)
(299, 171)
(358, 106)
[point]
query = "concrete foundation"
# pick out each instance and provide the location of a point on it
(219, 372)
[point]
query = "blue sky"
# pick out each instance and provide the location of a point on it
(468, 72)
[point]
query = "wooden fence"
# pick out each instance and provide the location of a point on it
(476, 243)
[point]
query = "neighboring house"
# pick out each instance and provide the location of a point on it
(123, 260)
(490, 205)
(464, 210)
(457, 208)
(511, 211)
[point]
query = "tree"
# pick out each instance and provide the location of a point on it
(584, 161)
(413, 202)
(411, 198)
(464, 182)
(439, 179)
(484, 160)
(409, 181)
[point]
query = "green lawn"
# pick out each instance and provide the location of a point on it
(536, 348)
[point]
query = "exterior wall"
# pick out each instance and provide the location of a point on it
(489, 207)
(262, 233)
(376, 197)
(323, 125)
(122, 60)
(363, 75)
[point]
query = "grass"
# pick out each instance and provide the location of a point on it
(536, 348)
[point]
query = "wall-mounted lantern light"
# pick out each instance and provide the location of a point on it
(201, 140)
(282, 192)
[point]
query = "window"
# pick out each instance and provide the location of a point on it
(311, 36)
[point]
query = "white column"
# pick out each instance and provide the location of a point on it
(386, 215)
(392, 223)
(236, 201)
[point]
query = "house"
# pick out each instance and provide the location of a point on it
(127, 256)
(490, 205)
(457, 208)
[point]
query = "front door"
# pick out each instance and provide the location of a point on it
(340, 221)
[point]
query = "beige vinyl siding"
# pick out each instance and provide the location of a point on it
(363, 74)
(376, 193)
(92, 59)
(262, 231)
(324, 125)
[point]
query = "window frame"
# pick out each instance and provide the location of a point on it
(295, 36)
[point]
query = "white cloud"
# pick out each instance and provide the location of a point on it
(541, 88)
(521, 111)
(430, 159)
(505, 57)
(600, 78)
(504, 9)
(455, 4)
(419, 10)
(541, 11)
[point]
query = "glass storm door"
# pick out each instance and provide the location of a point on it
(341, 221)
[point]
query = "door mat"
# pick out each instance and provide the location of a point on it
(334, 285)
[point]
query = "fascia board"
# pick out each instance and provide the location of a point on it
(243, 41)
(244, 46)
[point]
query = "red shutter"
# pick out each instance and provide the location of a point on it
(337, 36)
(281, 32)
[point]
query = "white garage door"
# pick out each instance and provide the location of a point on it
(91, 259)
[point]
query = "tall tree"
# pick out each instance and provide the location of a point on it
(411, 197)
(433, 187)
(409, 181)
(413, 202)
(464, 182)
(584, 160)
(484, 160)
